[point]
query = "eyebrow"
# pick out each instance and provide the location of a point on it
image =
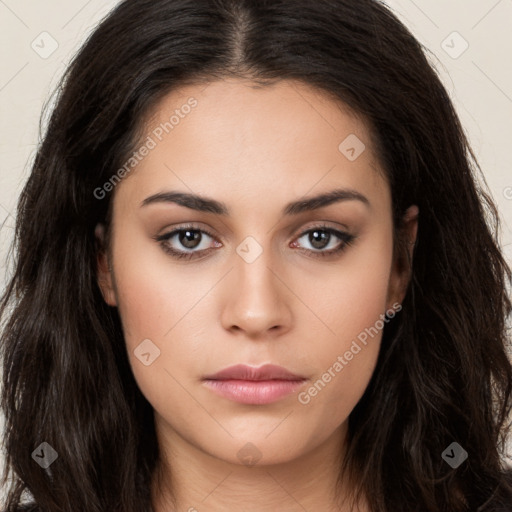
(208, 205)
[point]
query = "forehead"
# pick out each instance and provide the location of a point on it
(235, 139)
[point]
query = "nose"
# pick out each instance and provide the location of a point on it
(256, 298)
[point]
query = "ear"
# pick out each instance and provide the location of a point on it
(103, 267)
(403, 256)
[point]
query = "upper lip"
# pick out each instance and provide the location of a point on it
(244, 372)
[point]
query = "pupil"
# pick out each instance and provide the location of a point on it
(323, 237)
(188, 237)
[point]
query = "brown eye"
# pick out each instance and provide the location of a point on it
(321, 237)
(185, 242)
(189, 238)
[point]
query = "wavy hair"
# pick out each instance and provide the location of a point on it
(443, 374)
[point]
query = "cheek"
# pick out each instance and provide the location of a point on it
(168, 305)
(349, 295)
(153, 294)
(351, 306)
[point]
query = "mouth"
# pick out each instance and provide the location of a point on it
(249, 385)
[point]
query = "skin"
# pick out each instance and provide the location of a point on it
(255, 149)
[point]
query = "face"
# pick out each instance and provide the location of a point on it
(261, 274)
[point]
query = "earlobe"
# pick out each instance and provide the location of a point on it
(103, 268)
(402, 265)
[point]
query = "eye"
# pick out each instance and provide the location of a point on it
(189, 239)
(323, 236)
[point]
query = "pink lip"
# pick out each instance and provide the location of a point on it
(248, 385)
(244, 372)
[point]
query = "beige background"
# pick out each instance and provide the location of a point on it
(472, 63)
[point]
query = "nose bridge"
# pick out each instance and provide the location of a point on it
(253, 275)
(257, 301)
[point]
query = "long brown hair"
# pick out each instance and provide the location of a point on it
(443, 374)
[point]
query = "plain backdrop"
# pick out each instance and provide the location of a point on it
(469, 42)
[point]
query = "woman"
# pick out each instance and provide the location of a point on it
(255, 272)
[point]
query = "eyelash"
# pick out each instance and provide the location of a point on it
(345, 238)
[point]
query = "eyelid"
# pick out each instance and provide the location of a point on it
(324, 225)
(170, 232)
(196, 227)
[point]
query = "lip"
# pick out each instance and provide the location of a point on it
(249, 385)
(245, 372)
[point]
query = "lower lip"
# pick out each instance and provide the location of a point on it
(254, 392)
